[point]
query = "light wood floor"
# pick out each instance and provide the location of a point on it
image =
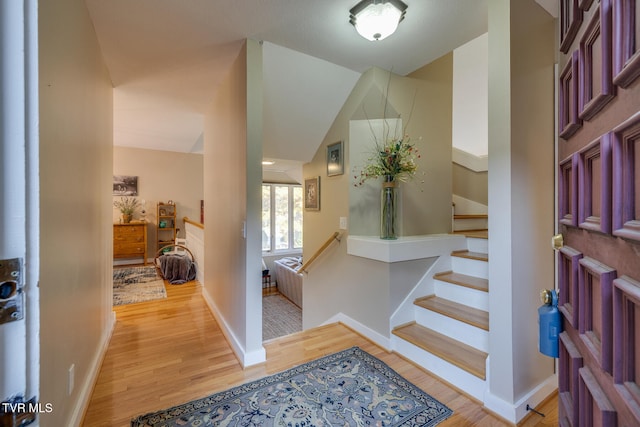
(167, 352)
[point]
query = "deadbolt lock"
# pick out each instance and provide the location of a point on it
(557, 242)
(11, 290)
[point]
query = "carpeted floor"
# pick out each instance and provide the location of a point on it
(280, 317)
(137, 284)
(348, 388)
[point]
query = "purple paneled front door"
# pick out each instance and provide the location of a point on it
(599, 212)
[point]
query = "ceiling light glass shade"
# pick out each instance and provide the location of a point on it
(377, 19)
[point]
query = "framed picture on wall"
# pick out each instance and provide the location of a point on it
(335, 160)
(312, 193)
(124, 185)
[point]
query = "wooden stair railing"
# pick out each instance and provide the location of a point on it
(334, 236)
(192, 222)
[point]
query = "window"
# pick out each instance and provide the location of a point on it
(281, 217)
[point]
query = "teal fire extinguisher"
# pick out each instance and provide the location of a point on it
(550, 324)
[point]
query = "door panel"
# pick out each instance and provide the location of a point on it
(599, 213)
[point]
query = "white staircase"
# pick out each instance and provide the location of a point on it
(468, 215)
(449, 333)
(470, 222)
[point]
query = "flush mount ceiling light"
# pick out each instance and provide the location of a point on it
(377, 19)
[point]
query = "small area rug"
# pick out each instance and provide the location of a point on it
(280, 317)
(137, 284)
(349, 388)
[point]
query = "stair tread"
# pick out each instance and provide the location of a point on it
(478, 234)
(463, 280)
(471, 216)
(455, 352)
(463, 313)
(471, 255)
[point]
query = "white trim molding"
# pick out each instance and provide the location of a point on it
(82, 404)
(464, 206)
(245, 358)
(405, 248)
(470, 161)
(364, 330)
(514, 412)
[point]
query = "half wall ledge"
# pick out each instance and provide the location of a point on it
(405, 248)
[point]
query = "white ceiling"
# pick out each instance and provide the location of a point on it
(166, 58)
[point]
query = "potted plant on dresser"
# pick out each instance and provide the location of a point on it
(127, 207)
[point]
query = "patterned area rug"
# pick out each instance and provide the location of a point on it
(349, 388)
(137, 284)
(280, 317)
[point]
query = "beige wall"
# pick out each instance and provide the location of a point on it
(354, 286)
(424, 105)
(470, 184)
(76, 152)
(521, 195)
(232, 191)
(162, 176)
(533, 56)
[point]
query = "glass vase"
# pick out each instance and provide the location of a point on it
(389, 209)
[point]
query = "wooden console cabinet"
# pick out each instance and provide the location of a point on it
(130, 241)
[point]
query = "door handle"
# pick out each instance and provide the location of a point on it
(557, 242)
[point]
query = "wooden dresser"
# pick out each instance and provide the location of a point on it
(130, 241)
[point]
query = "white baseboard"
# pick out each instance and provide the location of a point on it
(131, 261)
(536, 396)
(374, 336)
(466, 206)
(84, 395)
(255, 357)
(514, 412)
(245, 358)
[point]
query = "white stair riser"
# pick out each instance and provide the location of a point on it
(459, 331)
(470, 267)
(478, 245)
(459, 378)
(463, 295)
(460, 224)
(470, 335)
